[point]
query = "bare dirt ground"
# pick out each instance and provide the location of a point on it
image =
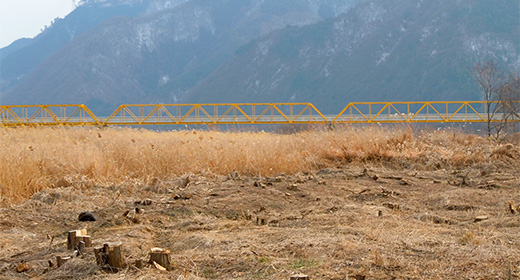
(348, 222)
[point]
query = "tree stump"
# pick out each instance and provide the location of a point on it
(161, 257)
(299, 277)
(261, 221)
(76, 236)
(81, 247)
(110, 256)
(60, 261)
(512, 208)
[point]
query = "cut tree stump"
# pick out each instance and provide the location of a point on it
(81, 247)
(299, 277)
(261, 221)
(60, 261)
(512, 208)
(161, 257)
(110, 256)
(76, 236)
(392, 206)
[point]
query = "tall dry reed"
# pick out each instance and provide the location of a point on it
(33, 159)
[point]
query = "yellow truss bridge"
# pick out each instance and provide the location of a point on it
(260, 113)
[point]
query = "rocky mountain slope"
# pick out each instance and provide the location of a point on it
(160, 53)
(379, 51)
(21, 57)
(328, 52)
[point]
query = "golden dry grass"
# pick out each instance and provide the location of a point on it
(386, 203)
(34, 159)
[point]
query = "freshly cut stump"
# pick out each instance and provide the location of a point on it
(61, 260)
(81, 247)
(161, 257)
(76, 236)
(110, 256)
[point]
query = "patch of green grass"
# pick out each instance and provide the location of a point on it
(264, 259)
(301, 263)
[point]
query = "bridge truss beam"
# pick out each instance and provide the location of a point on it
(246, 113)
(47, 115)
(261, 113)
(428, 112)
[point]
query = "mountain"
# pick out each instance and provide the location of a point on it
(328, 52)
(155, 53)
(21, 57)
(401, 50)
(13, 47)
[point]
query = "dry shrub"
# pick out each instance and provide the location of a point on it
(506, 152)
(33, 159)
(374, 144)
(74, 269)
(470, 238)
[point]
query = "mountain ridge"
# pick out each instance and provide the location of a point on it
(375, 52)
(319, 51)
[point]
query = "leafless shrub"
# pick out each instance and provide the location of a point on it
(501, 95)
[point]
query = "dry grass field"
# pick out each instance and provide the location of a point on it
(380, 203)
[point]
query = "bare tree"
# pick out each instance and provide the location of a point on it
(490, 79)
(509, 98)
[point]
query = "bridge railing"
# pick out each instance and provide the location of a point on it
(261, 113)
(47, 115)
(435, 111)
(244, 113)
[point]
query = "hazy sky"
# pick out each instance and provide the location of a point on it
(25, 18)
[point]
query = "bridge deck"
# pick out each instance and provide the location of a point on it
(260, 113)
